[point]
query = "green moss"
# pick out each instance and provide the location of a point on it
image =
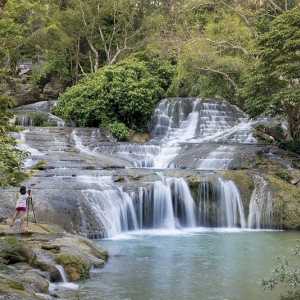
(242, 179)
(6, 283)
(13, 251)
(286, 201)
(74, 264)
(40, 165)
(96, 251)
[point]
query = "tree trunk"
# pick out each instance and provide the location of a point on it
(294, 121)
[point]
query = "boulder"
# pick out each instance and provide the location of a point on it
(76, 267)
(14, 251)
(35, 281)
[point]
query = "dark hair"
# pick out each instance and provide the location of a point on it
(23, 190)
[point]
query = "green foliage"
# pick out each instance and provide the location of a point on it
(126, 92)
(283, 174)
(273, 84)
(119, 131)
(39, 119)
(10, 157)
(212, 65)
(286, 274)
(293, 146)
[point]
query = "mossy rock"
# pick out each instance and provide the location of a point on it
(95, 250)
(243, 180)
(287, 202)
(10, 283)
(15, 290)
(14, 251)
(76, 267)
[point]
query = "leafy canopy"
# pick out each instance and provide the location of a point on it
(126, 92)
(10, 157)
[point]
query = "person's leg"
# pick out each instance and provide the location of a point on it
(14, 218)
(23, 223)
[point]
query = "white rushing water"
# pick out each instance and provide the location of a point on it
(231, 204)
(218, 159)
(34, 154)
(261, 205)
(64, 284)
(166, 204)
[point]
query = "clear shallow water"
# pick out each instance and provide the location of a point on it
(200, 265)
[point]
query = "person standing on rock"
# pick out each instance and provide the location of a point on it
(21, 208)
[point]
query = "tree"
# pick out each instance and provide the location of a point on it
(286, 274)
(126, 92)
(10, 157)
(273, 86)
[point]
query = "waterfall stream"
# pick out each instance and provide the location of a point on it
(165, 204)
(207, 134)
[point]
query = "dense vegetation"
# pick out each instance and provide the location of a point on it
(125, 92)
(122, 56)
(244, 51)
(10, 157)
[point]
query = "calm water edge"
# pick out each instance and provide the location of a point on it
(203, 265)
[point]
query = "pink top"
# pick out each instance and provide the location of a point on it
(22, 201)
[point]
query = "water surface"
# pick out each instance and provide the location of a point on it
(204, 265)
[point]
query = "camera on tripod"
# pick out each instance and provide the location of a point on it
(30, 206)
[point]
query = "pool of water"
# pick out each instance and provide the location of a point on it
(196, 265)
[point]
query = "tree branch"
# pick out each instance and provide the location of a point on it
(238, 47)
(241, 15)
(275, 5)
(226, 76)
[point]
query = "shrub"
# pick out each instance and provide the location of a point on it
(119, 131)
(126, 92)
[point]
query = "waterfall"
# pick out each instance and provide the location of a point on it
(219, 159)
(30, 119)
(62, 273)
(261, 205)
(65, 284)
(231, 204)
(170, 145)
(34, 153)
(163, 214)
(220, 204)
(111, 208)
(179, 122)
(165, 204)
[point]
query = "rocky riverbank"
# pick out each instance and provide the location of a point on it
(31, 263)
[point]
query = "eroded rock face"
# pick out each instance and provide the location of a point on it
(27, 262)
(74, 169)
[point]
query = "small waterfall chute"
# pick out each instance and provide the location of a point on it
(220, 204)
(261, 205)
(231, 204)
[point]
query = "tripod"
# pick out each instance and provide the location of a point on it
(30, 204)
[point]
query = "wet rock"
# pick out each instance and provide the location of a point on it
(49, 247)
(76, 267)
(286, 201)
(52, 89)
(35, 281)
(14, 251)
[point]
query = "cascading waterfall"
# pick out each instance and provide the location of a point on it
(165, 204)
(261, 205)
(34, 153)
(220, 204)
(29, 119)
(111, 207)
(231, 204)
(219, 159)
(168, 203)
